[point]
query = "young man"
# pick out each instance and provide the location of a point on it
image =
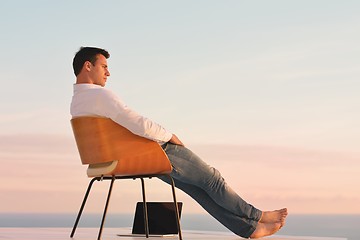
(192, 175)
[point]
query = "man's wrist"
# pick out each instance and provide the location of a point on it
(175, 140)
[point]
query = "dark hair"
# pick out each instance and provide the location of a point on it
(87, 54)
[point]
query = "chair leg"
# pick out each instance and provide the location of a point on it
(177, 215)
(106, 207)
(146, 217)
(82, 206)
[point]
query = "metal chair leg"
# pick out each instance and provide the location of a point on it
(177, 215)
(83, 205)
(106, 207)
(146, 220)
(146, 216)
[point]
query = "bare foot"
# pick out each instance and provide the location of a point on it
(266, 229)
(273, 216)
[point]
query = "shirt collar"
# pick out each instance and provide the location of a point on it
(85, 86)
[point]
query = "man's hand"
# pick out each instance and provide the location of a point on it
(175, 140)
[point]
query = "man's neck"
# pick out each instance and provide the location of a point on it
(80, 79)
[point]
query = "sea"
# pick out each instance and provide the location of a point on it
(344, 226)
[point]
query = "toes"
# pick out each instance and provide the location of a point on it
(283, 212)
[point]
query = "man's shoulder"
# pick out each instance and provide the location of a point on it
(92, 88)
(104, 94)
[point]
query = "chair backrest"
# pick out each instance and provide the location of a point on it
(101, 140)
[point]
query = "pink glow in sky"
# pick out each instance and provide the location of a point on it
(50, 178)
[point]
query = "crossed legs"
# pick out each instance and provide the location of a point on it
(205, 185)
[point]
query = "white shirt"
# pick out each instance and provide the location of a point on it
(94, 100)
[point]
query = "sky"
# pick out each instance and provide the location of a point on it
(265, 91)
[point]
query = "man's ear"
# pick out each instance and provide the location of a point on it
(87, 65)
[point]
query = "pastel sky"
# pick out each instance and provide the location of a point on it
(265, 91)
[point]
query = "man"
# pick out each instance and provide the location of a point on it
(192, 175)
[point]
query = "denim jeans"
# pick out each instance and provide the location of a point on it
(206, 186)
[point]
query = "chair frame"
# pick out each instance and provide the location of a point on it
(112, 180)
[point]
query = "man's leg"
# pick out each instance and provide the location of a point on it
(205, 184)
(241, 226)
(190, 169)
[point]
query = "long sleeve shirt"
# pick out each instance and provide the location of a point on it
(94, 100)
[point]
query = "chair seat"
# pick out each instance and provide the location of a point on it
(101, 169)
(115, 168)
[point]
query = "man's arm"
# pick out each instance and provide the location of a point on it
(119, 112)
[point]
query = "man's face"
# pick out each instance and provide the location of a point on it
(99, 72)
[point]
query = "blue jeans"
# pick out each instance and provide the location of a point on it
(205, 185)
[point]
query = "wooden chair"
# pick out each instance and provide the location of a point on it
(113, 152)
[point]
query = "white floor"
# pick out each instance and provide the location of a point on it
(112, 233)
